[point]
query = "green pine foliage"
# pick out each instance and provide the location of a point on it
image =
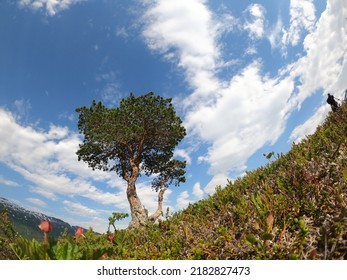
(295, 207)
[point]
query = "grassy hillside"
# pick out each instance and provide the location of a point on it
(295, 207)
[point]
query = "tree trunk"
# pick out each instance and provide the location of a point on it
(157, 213)
(139, 216)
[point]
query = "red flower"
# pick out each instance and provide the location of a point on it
(46, 226)
(79, 233)
(110, 237)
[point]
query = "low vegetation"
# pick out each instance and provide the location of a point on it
(295, 207)
(8, 235)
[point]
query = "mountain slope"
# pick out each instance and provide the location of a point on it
(26, 222)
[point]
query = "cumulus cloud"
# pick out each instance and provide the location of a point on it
(255, 23)
(197, 191)
(250, 112)
(50, 6)
(149, 197)
(302, 22)
(225, 114)
(186, 32)
(322, 66)
(302, 19)
(183, 200)
(239, 115)
(220, 179)
(48, 161)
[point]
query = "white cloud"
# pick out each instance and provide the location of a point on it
(275, 35)
(67, 116)
(197, 191)
(169, 33)
(149, 197)
(251, 50)
(217, 180)
(111, 91)
(324, 65)
(250, 112)
(49, 162)
(183, 154)
(186, 31)
(8, 183)
(309, 126)
(37, 202)
(97, 223)
(23, 108)
(79, 209)
(183, 200)
(122, 32)
(51, 6)
(237, 117)
(302, 18)
(255, 25)
(43, 192)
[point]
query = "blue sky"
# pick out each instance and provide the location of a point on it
(246, 77)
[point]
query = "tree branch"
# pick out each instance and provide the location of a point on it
(159, 210)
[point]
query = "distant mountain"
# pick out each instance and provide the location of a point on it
(26, 222)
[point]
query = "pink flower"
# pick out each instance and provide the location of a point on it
(46, 226)
(79, 233)
(110, 237)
